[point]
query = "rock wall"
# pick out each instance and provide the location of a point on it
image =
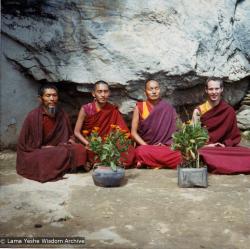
(243, 115)
(75, 43)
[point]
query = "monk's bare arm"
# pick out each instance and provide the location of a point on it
(78, 127)
(134, 127)
(196, 116)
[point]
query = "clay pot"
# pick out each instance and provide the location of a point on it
(106, 177)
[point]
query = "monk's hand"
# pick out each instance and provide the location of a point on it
(215, 145)
(71, 141)
(47, 146)
(219, 145)
(87, 146)
(159, 144)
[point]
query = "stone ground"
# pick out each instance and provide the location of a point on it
(149, 211)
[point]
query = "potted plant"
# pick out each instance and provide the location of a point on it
(191, 172)
(108, 170)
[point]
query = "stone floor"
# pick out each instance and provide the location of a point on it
(149, 211)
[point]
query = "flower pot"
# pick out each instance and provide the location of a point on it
(106, 177)
(192, 177)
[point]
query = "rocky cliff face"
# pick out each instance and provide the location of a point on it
(124, 42)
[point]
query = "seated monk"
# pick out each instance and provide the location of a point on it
(153, 123)
(45, 149)
(222, 154)
(100, 113)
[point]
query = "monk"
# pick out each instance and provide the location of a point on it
(46, 149)
(153, 123)
(222, 154)
(102, 114)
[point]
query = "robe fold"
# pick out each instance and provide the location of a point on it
(45, 164)
(228, 160)
(103, 119)
(221, 124)
(156, 128)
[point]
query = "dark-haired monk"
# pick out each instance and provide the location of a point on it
(45, 149)
(153, 123)
(222, 154)
(100, 113)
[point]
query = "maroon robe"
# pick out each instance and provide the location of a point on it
(103, 119)
(45, 164)
(221, 124)
(157, 128)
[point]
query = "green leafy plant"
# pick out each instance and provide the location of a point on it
(108, 149)
(188, 140)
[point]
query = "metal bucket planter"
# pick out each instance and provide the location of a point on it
(192, 177)
(106, 177)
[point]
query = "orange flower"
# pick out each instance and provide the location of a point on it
(85, 132)
(118, 128)
(96, 128)
(124, 131)
(113, 126)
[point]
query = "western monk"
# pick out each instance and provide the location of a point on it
(222, 154)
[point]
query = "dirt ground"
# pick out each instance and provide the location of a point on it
(149, 211)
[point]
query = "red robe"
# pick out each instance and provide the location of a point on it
(221, 124)
(158, 127)
(103, 119)
(45, 164)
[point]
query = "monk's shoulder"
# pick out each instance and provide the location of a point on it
(227, 107)
(89, 109)
(32, 113)
(87, 105)
(139, 103)
(30, 118)
(167, 104)
(111, 107)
